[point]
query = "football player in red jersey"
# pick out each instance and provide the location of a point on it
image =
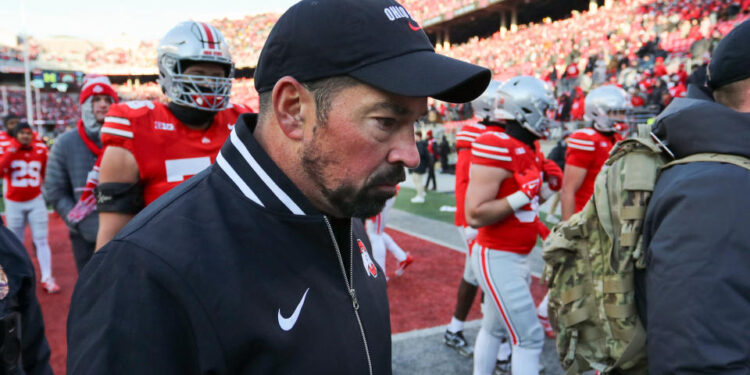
(502, 200)
(22, 164)
(10, 121)
(484, 108)
(589, 148)
(151, 147)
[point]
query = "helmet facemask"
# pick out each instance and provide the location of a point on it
(205, 93)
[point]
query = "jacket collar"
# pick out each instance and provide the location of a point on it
(256, 175)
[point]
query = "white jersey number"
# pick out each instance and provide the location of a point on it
(25, 174)
(178, 169)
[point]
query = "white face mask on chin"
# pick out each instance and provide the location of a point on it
(89, 120)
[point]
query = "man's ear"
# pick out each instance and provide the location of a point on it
(290, 100)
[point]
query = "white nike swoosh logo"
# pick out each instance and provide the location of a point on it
(288, 323)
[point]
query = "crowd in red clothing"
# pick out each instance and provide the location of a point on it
(55, 107)
(646, 47)
(246, 36)
(243, 92)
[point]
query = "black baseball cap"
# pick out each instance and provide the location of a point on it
(731, 58)
(374, 41)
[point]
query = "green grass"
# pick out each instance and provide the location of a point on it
(434, 200)
(430, 208)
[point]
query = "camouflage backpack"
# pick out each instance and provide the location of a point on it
(591, 260)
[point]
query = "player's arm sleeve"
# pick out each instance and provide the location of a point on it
(491, 151)
(580, 151)
(117, 129)
(57, 187)
(127, 314)
(697, 285)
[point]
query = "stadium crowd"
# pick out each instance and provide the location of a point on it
(55, 107)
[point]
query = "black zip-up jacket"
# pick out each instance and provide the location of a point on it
(232, 272)
(694, 295)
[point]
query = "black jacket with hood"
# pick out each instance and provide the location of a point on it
(694, 295)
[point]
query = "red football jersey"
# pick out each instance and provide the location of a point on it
(5, 139)
(589, 149)
(464, 138)
(516, 233)
(167, 151)
(24, 170)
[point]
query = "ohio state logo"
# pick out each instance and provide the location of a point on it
(366, 260)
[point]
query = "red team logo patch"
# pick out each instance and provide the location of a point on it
(366, 260)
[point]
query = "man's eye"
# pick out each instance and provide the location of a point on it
(386, 123)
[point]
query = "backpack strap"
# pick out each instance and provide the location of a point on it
(737, 160)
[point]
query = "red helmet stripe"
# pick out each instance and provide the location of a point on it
(209, 36)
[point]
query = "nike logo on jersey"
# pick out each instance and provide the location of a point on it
(288, 323)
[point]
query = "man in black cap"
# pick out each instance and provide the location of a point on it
(694, 295)
(259, 263)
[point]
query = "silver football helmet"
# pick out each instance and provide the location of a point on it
(526, 100)
(485, 106)
(195, 42)
(606, 107)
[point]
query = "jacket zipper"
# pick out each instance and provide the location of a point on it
(350, 287)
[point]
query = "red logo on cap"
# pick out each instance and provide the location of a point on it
(414, 28)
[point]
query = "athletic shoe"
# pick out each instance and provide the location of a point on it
(417, 199)
(50, 286)
(403, 264)
(502, 367)
(547, 326)
(458, 342)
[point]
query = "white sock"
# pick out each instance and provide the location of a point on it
(504, 353)
(393, 247)
(485, 353)
(525, 361)
(44, 256)
(542, 308)
(455, 325)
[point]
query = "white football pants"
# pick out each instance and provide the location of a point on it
(504, 277)
(35, 213)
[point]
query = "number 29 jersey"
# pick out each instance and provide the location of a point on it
(167, 151)
(24, 174)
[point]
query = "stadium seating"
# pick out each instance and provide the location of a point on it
(623, 34)
(58, 108)
(243, 92)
